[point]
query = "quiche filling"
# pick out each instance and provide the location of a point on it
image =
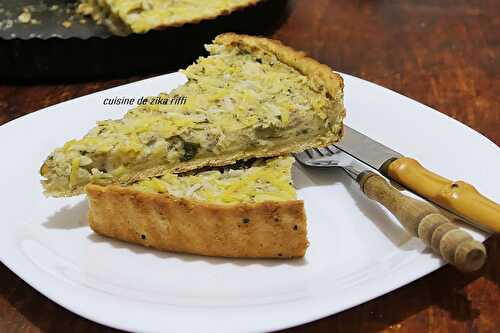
(125, 16)
(101, 12)
(264, 180)
(241, 104)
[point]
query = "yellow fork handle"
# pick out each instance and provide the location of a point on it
(458, 197)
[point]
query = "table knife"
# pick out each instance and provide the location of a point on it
(458, 197)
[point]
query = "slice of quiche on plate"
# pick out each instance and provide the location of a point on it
(251, 97)
(249, 210)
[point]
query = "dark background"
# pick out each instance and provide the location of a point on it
(442, 53)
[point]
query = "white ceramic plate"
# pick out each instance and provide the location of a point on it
(357, 250)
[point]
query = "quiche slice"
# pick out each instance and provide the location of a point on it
(244, 211)
(251, 97)
(125, 16)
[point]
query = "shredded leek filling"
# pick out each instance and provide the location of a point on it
(268, 180)
(237, 101)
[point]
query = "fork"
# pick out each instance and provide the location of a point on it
(419, 218)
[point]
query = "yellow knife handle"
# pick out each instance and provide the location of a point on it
(459, 197)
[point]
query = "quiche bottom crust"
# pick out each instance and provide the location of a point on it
(164, 222)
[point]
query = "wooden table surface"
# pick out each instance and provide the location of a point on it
(445, 54)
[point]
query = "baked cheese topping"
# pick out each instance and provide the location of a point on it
(143, 15)
(237, 101)
(268, 180)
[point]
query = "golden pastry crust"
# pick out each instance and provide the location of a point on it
(161, 221)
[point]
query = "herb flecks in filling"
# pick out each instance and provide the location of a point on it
(190, 150)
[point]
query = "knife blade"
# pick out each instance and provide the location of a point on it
(457, 197)
(365, 149)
